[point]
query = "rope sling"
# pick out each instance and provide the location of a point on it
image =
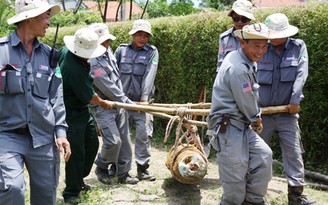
(187, 161)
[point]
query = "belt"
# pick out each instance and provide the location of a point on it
(21, 131)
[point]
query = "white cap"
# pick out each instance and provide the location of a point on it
(280, 25)
(102, 31)
(242, 8)
(141, 25)
(84, 43)
(254, 31)
(26, 9)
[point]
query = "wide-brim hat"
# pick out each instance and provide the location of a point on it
(141, 25)
(84, 44)
(26, 9)
(102, 31)
(254, 31)
(279, 23)
(242, 8)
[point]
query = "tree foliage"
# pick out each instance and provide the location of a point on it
(160, 8)
(217, 4)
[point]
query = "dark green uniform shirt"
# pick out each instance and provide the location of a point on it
(77, 83)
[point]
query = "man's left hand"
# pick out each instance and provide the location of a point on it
(293, 108)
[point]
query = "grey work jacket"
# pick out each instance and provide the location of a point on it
(138, 70)
(282, 77)
(106, 76)
(31, 92)
(227, 42)
(235, 91)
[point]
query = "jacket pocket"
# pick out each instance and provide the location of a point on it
(140, 67)
(265, 75)
(126, 66)
(288, 71)
(11, 82)
(41, 85)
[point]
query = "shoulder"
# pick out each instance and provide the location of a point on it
(153, 47)
(297, 42)
(226, 33)
(93, 61)
(45, 47)
(123, 45)
(4, 39)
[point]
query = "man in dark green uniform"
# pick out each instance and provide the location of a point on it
(78, 93)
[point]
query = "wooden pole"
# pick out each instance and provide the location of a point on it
(273, 110)
(173, 108)
(147, 108)
(188, 105)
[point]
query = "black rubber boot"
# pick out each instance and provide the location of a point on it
(112, 170)
(103, 176)
(143, 174)
(252, 203)
(295, 196)
(127, 179)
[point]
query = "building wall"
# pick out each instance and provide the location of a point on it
(112, 6)
(276, 3)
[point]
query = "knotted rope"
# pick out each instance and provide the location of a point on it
(192, 148)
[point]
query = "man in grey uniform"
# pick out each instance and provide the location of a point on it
(31, 108)
(282, 73)
(241, 15)
(138, 62)
(244, 158)
(116, 149)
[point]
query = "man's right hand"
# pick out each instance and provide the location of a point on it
(64, 147)
(257, 126)
(106, 104)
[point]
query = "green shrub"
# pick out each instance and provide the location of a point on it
(83, 17)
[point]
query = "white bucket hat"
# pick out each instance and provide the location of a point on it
(254, 31)
(242, 8)
(141, 25)
(84, 43)
(102, 31)
(26, 9)
(280, 25)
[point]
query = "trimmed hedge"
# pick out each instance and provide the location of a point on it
(188, 49)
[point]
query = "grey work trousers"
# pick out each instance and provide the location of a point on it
(42, 164)
(245, 165)
(143, 133)
(287, 128)
(116, 148)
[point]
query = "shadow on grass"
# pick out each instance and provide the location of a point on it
(178, 193)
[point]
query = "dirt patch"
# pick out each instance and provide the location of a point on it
(166, 190)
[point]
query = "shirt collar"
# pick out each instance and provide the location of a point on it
(145, 47)
(15, 40)
(271, 48)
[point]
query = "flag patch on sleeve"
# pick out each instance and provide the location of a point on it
(97, 72)
(247, 87)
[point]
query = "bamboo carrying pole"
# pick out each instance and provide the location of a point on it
(188, 105)
(175, 109)
(167, 110)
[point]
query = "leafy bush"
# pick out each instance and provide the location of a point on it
(83, 17)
